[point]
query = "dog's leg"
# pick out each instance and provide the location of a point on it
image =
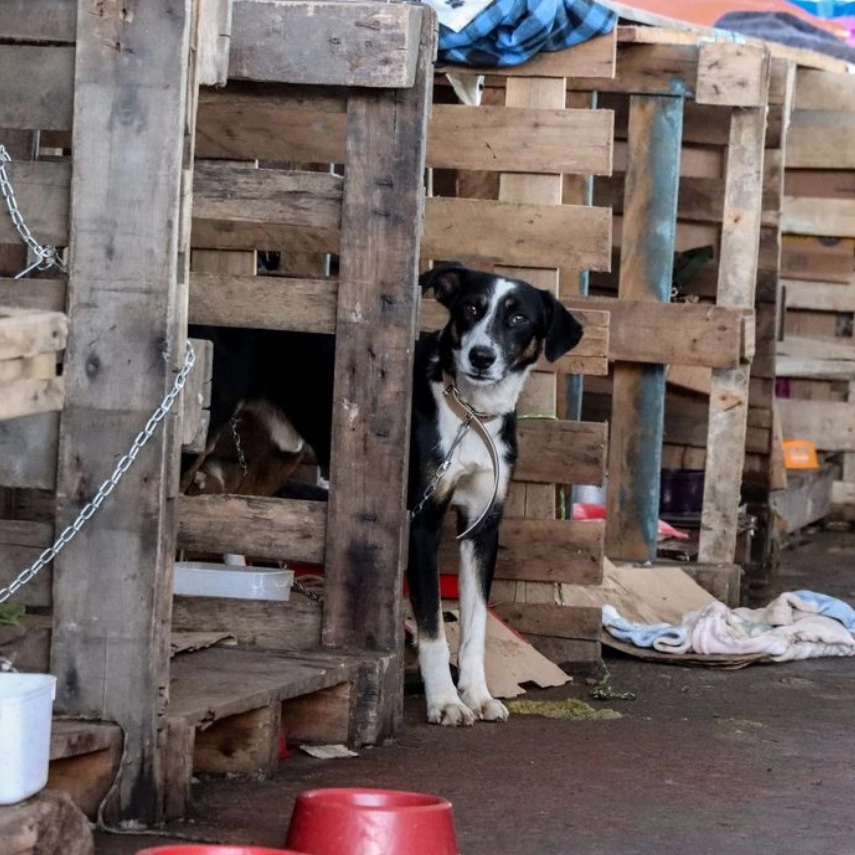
(443, 703)
(477, 563)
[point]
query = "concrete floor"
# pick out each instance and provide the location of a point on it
(758, 760)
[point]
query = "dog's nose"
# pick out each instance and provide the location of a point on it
(482, 357)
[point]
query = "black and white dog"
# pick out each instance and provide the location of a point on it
(478, 363)
(467, 381)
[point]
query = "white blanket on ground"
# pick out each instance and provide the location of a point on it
(796, 625)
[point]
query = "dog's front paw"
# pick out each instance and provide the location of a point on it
(451, 714)
(487, 708)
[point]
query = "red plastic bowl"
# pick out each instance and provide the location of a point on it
(349, 821)
(212, 849)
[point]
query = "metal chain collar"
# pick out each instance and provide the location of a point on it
(45, 256)
(441, 470)
(110, 484)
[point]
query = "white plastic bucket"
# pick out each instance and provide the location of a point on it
(26, 710)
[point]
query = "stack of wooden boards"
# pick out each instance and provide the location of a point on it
(816, 358)
(30, 345)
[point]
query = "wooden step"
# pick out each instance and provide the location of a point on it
(230, 709)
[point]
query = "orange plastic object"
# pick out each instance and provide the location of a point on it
(800, 454)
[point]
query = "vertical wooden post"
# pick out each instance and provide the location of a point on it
(737, 281)
(540, 394)
(381, 225)
(113, 584)
(646, 268)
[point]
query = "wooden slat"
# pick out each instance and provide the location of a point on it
(21, 543)
(39, 20)
(28, 397)
(575, 622)
(500, 139)
(823, 217)
(819, 90)
(28, 451)
(331, 44)
(826, 145)
(240, 207)
(42, 192)
(300, 124)
(700, 199)
(42, 294)
(213, 38)
(24, 332)
(553, 451)
(819, 296)
(542, 550)
(260, 527)
(733, 75)
(38, 89)
(647, 254)
(518, 234)
(829, 424)
(730, 386)
(652, 69)
(674, 333)
(263, 302)
(110, 638)
(377, 322)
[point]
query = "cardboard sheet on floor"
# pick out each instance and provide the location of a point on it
(659, 594)
(509, 660)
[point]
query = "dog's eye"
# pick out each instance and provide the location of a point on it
(470, 310)
(518, 319)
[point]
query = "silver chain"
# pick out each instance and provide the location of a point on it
(244, 469)
(109, 485)
(440, 472)
(45, 256)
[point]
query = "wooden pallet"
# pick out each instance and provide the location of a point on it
(30, 341)
(230, 708)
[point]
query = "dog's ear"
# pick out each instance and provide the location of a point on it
(445, 278)
(563, 331)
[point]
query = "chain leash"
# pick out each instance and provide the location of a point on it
(440, 472)
(45, 256)
(110, 484)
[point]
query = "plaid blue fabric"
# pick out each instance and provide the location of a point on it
(509, 32)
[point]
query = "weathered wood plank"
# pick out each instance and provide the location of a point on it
(575, 622)
(500, 139)
(829, 424)
(110, 641)
(812, 144)
(21, 543)
(259, 527)
(331, 44)
(263, 302)
(46, 295)
(647, 257)
(39, 20)
(38, 86)
(297, 124)
(730, 386)
(819, 90)
(366, 548)
(241, 207)
(29, 397)
(213, 39)
(733, 75)
(42, 192)
(819, 296)
(823, 217)
(24, 332)
(518, 234)
(542, 550)
(561, 452)
(28, 451)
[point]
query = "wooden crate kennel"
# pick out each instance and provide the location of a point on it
(102, 111)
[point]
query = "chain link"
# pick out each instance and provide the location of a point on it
(110, 484)
(440, 472)
(45, 256)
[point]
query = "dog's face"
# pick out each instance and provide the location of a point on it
(499, 326)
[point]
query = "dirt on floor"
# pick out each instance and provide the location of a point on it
(754, 760)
